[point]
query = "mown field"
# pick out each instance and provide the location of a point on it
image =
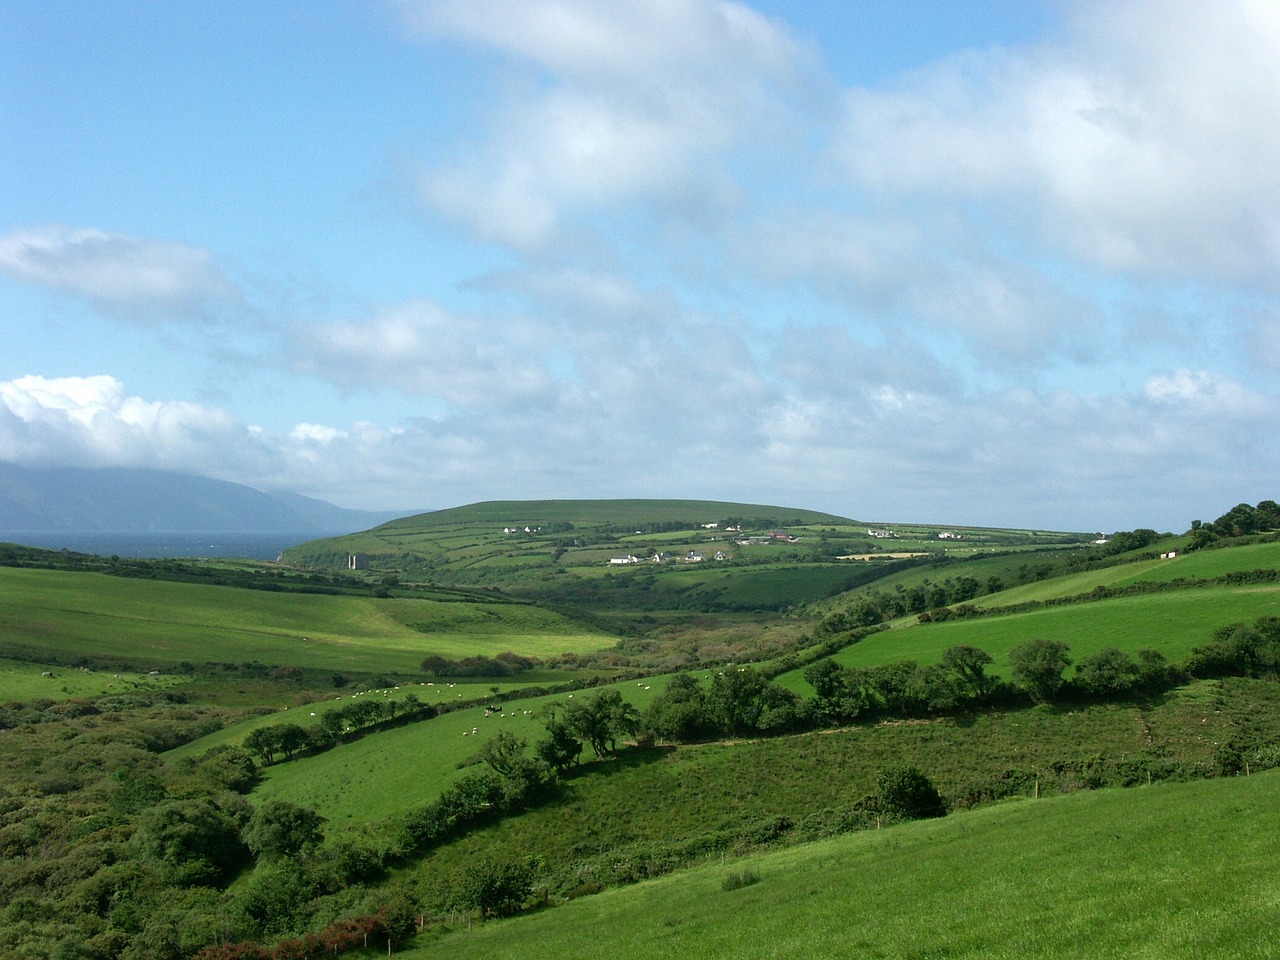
(1176, 870)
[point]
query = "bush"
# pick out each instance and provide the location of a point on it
(905, 791)
(497, 888)
(1037, 667)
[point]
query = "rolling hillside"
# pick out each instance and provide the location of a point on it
(410, 808)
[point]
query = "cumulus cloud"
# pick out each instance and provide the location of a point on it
(882, 450)
(625, 102)
(1134, 144)
(94, 421)
(134, 277)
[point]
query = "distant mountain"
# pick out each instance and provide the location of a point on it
(120, 500)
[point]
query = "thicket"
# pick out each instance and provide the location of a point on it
(1242, 520)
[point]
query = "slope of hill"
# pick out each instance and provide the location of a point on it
(1178, 870)
(91, 779)
(132, 500)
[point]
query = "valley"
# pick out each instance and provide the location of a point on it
(490, 739)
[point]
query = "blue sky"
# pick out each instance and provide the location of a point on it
(998, 263)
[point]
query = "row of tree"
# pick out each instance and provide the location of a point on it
(285, 741)
(1242, 520)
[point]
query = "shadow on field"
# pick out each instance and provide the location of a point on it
(626, 760)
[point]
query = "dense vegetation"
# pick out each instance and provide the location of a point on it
(300, 769)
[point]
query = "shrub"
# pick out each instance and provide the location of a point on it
(905, 791)
(1037, 667)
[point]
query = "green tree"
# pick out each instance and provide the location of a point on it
(1037, 666)
(970, 664)
(679, 712)
(283, 829)
(560, 749)
(602, 720)
(1107, 673)
(504, 752)
(735, 701)
(199, 842)
(497, 887)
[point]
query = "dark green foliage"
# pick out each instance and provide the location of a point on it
(503, 665)
(902, 689)
(497, 888)
(1037, 667)
(1240, 650)
(1107, 673)
(196, 839)
(560, 748)
(285, 739)
(283, 829)
(680, 712)
(469, 801)
(601, 720)
(970, 664)
(503, 753)
(906, 792)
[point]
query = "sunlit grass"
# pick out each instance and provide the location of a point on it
(1181, 870)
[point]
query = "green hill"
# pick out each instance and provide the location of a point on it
(142, 815)
(1180, 870)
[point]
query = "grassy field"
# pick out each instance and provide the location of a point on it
(392, 772)
(155, 622)
(20, 681)
(1173, 623)
(533, 546)
(1178, 870)
(628, 809)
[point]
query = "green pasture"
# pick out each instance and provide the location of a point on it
(1174, 870)
(311, 714)
(634, 807)
(391, 772)
(1207, 564)
(153, 622)
(22, 681)
(1174, 623)
(1202, 564)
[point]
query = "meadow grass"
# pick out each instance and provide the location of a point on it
(1174, 870)
(391, 772)
(22, 681)
(634, 809)
(1174, 623)
(311, 714)
(149, 622)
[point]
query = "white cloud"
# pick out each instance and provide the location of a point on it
(624, 102)
(417, 348)
(1136, 144)
(133, 277)
(93, 421)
